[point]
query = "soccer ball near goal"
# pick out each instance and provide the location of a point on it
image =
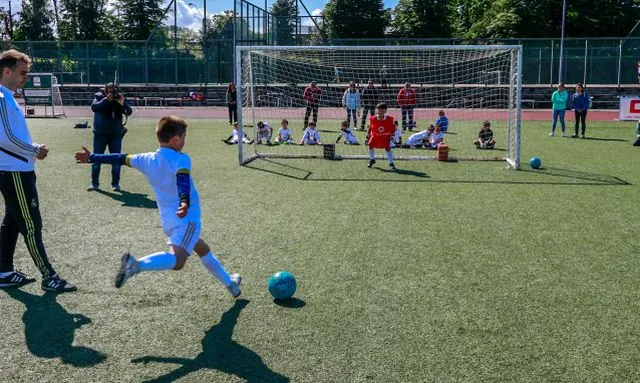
(535, 163)
(282, 285)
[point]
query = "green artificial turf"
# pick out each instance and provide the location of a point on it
(440, 272)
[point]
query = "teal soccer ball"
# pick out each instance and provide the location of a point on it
(282, 285)
(535, 163)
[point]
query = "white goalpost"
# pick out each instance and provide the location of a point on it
(469, 84)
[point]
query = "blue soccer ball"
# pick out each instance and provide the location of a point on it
(535, 163)
(282, 285)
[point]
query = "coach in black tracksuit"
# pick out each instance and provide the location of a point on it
(369, 102)
(18, 182)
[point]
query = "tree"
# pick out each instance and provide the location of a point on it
(422, 19)
(35, 21)
(356, 18)
(139, 18)
(284, 13)
(5, 25)
(84, 20)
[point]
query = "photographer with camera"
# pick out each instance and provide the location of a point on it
(108, 108)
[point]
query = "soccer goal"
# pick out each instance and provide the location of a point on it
(469, 84)
(42, 90)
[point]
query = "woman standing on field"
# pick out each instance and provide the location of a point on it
(559, 101)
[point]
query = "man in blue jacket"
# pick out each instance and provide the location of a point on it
(108, 108)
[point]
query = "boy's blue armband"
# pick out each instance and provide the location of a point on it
(116, 158)
(184, 186)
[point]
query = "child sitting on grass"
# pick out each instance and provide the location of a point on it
(234, 138)
(347, 133)
(435, 138)
(311, 135)
(442, 122)
(264, 132)
(417, 140)
(485, 137)
(284, 133)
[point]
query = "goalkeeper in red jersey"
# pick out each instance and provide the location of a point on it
(380, 134)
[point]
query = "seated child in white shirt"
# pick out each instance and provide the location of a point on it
(284, 133)
(419, 139)
(234, 138)
(264, 132)
(347, 133)
(311, 135)
(435, 138)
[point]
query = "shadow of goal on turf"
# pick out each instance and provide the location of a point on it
(552, 176)
(220, 352)
(590, 178)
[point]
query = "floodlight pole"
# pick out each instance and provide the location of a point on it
(564, 16)
(206, 51)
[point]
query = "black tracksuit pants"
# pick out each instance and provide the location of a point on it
(22, 216)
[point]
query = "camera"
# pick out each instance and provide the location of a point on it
(114, 90)
(116, 93)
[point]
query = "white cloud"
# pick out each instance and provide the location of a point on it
(306, 20)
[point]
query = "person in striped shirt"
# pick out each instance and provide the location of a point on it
(168, 172)
(18, 155)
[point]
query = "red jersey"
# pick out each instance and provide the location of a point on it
(406, 97)
(381, 132)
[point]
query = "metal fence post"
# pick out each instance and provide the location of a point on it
(586, 48)
(619, 61)
(551, 65)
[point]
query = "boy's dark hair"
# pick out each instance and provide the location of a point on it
(381, 105)
(284, 121)
(9, 59)
(170, 126)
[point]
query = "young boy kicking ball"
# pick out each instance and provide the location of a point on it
(168, 172)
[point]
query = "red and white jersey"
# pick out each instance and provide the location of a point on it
(381, 131)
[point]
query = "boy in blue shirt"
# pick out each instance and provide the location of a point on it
(442, 122)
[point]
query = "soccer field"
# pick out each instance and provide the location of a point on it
(439, 272)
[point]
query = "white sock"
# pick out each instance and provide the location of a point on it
(372, 154)
(211, 263)
(390, 155)
(157, 261)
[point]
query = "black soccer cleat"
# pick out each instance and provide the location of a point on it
(57, 284)
(15, 279)
(392, 166)
(128, 268)
(371, 163)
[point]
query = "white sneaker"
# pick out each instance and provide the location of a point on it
(234, 287)
(563, 135)
(551, 134)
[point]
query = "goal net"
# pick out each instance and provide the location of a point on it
(467, 84)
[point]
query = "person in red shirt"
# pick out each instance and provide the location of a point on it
(407, 101)
(380, 134)
(311, 98)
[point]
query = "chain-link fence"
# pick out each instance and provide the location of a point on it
(611, 61)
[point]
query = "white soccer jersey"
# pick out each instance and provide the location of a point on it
(418, 138)
(348, 136)
(436, 138)
(285, 134)
(160, 168)
(311, 136)
(265, 132)
(17, 151)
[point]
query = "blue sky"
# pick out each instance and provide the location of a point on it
(190, 11)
